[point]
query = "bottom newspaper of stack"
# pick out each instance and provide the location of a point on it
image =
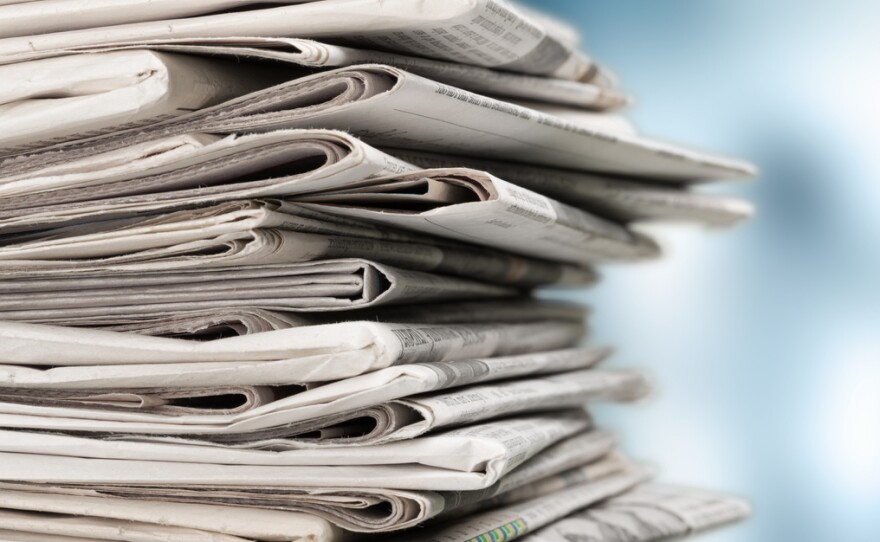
(472, 429)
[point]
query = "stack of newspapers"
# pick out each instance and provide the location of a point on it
(267, 273)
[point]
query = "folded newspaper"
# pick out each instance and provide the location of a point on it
(225, 322)
(47, 356)
(192, 168)
(310, 54)
(257, 235)
(490, 33)
(393, 402)
(580, 459)
(382, 104)
(268, 273)
(328, 285)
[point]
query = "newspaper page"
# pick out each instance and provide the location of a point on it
(621, 200)
(464, 459)
(207, 324)
(415, 113)
(646, 513)
(313, 54)
(327, 286)
(187, 161)
(367, 509)
(248, 408)
(470, 205)
(489, 33)
(194, 167)
(270, 235)
(360, 510)
(389, 107)
(49, 356)
(279, 429)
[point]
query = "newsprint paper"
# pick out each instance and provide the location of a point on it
(50, 356)
(489, 33)
(269, 272)
(391, 107)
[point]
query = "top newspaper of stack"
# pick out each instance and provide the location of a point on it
(396, 102)
(489, 33)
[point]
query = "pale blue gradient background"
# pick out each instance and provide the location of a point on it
(764, 341)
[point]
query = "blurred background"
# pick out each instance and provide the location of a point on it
(764, 341)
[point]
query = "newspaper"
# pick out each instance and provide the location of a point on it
(367, 509)
(489, 33)
(329, 285)
(269, 235)
(463, 459)
(153, 410)
(398, 109)
(276, 428)
(389, 107)
(646, 513)
(41, 356)
(191, 168)
(208, 324)
(317, 55)
(466, 205)
(620, 200)
(469, 205)
(516, 520)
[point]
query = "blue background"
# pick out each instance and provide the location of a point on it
(764, 341)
